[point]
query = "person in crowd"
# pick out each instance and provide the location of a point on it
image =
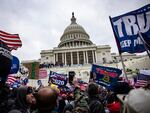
(68, 108)
(24, 100)
(5, 100)
(80, 101)
(62, 103)
(113, 103)
(46, 100)
(40, 85)
(92, 77)
(94, 102)
(137, 101)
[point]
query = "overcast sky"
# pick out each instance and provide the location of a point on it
(40, 23)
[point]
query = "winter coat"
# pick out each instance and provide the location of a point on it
(20, 102)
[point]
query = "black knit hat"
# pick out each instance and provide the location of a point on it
(120, 87)
(5, 62)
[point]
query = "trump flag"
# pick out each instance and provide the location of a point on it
(127, 26)
(58, 79)
(146, 40)
(105, 75)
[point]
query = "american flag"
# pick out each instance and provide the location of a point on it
(142, 78)
(140, 83)
(11, 40)
(11, 79)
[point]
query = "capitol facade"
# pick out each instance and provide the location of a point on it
(76, 48)
(76, 52)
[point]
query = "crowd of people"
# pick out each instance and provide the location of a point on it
(90, 98)
(50, 65)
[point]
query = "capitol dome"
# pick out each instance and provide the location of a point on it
(74, 35)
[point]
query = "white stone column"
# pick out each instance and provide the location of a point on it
(65, 59)
(73, 44)
(54, 59)
(87, 57)
(93, 56)
(76, 44)
(57, 57)
(84, 57)
(71, 59)
(77, 57)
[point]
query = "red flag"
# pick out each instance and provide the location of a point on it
(12, 40)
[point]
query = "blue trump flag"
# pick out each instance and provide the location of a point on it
(127, 26)
(146, 40)
(105, 75)
(15, 65)
(58, 79)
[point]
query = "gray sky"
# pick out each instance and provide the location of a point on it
(40, 23)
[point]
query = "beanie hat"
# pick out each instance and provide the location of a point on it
(138, 101)
(120, 87)
(5, 62)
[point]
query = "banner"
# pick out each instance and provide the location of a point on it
(33, 70)
(105, 75)
(39, 82)
(146, 40)
(58, 79)
(24, 71)
(65, 89)
(142, 78)
(15, 65)
(127, 26)
(42, 73)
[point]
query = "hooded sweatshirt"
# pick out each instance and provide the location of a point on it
(20, 103)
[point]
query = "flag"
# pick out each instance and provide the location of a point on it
(11, 79)
(42, 74)
(39, 82)
(127, 26)
(142, 78)
(11, 40)
(25, 81)
(105, 75)
(15, 65)
(140, 83)
(57, 79)
(146, 40)
(33, 70)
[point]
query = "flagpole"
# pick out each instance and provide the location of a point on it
(123, 65)
(141, 37)
(118, 45)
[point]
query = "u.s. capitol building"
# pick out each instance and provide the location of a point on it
(76, 52)
(76, 48)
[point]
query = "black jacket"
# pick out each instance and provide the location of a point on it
(20, 102)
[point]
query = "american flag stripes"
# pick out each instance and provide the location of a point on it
(11, 40)
(140, 83)
(142, 78)
(11, 79)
